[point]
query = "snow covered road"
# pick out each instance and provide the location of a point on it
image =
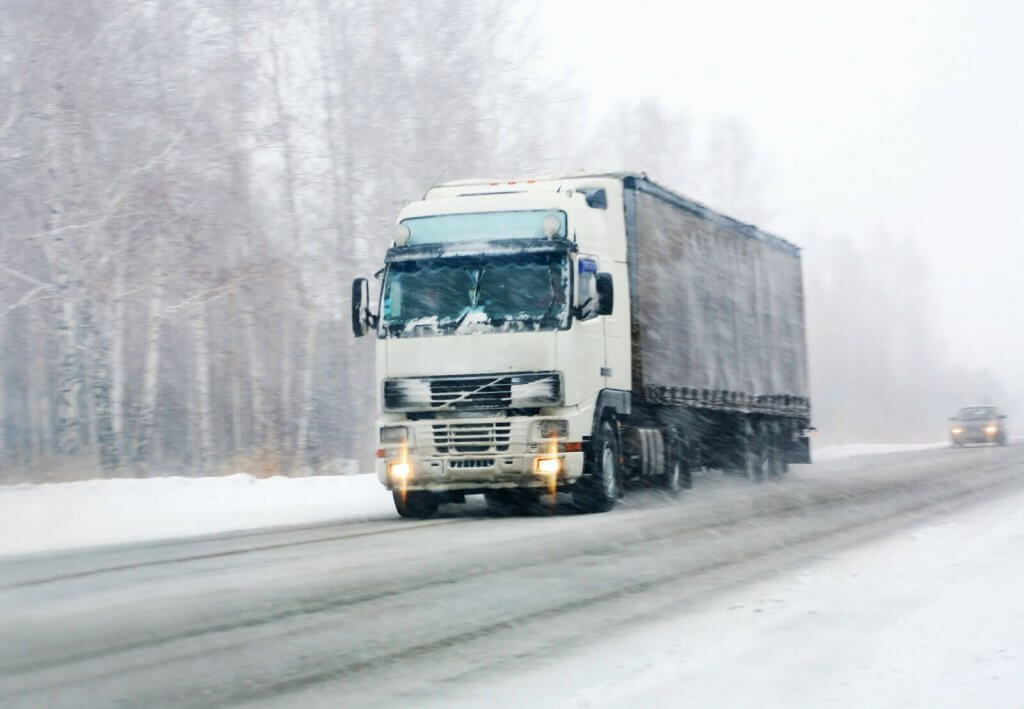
(879, 580)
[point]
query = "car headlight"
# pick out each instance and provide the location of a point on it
(394, 434)
(991, 428)
(957, 430)
(547, 429)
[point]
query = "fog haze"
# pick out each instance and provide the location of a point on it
(864, 119)
(189, 191)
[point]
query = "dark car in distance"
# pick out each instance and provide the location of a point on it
(978, 424)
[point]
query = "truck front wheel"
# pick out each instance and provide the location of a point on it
(417, 504)
(599, 490)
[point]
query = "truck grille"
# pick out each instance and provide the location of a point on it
(475, 393)
(485, 437)
(471, 463)
(483, 391)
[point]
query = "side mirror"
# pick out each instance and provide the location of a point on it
(605, 294)
(360, 307)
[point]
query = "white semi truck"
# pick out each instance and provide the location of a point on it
(580, 334)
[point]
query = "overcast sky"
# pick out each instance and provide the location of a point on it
(902, 115)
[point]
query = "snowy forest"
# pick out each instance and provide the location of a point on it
(189, 188)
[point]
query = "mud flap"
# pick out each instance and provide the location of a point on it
(799, 451)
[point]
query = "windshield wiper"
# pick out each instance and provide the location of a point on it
(473, 300)
(458, 321)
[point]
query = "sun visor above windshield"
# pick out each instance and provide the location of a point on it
(503, 247)
(484, 226)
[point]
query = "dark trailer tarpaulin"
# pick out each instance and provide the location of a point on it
(716, 306)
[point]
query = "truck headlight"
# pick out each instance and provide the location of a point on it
(394, 434)
(399, 470)
(547, 429)
(547, 465)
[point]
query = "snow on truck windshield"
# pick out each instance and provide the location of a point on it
(437, 296)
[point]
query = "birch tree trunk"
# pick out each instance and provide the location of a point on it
(98, 362)
(287, 151)
(69, 437)
(146, 435)
(283, 124)
(285, 380)
(6, 408)
(236, 386)
(69, 425)
(256, 380)
(204, 422)
(115, 318)
(302, 442)
(338, 99)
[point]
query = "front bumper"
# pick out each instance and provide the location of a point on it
(479, 472)
(975, 436)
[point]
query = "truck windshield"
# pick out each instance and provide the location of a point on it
(457, 295)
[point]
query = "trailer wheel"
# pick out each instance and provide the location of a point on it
(776, 464)
(755, 459)
(417, 504)
(598, 491)
(677, 476)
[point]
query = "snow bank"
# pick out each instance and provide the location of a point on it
(97, 512)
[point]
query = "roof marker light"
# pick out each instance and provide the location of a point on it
(551, 225)
(402, 234)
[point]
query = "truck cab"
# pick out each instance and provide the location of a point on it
(502, 316)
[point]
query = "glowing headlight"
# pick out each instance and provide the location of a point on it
(991, 428)
(547, 466)
(399, 470)
(957, 430)
(394, 434)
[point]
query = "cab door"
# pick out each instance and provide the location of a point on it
(581, 349)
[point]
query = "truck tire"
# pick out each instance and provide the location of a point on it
(677, 476)
(776, 456)
(599, 490)
(416, 504)
(755, 454)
